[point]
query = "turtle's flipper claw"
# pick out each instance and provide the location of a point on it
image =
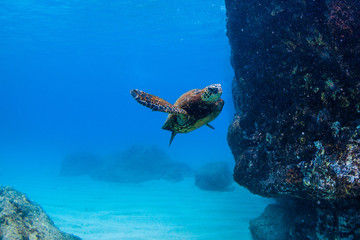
(210, 126)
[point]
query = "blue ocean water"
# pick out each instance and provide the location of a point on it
(66, 69)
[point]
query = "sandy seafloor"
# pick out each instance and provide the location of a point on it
(157, 209)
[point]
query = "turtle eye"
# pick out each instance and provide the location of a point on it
(213, 90)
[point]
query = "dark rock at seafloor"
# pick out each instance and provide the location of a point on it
(78, 164)
(214, 176)
(271, 225)
(21, 219)
(295, 219)
(140, 164)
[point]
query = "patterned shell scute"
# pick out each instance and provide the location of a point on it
(198, 111)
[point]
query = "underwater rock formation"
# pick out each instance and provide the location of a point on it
(214, 176)
(21, 218)
(134, 165)
(304, 219)
(296, 91)
(140, 164)
(78, 164)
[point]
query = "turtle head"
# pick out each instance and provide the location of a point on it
(211, 93)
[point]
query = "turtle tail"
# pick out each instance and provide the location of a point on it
(173, 134)
(155, 103)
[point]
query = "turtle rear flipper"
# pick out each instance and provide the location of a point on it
(173, 134)
(155, 103)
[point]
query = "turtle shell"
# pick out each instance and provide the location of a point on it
(199, 112)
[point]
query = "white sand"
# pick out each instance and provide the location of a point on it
(152, 210)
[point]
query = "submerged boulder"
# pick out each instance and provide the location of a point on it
(139, 164)
(21, 219)
(78, 164)
(304, 219)
(271, 225)
(214, 176)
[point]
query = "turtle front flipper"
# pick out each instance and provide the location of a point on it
(155, 103)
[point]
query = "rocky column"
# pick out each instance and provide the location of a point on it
(296, 91)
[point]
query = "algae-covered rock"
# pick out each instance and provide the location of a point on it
(297, 95)
(21, 219)
(296, 131)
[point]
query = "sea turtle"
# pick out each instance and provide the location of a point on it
(192, 110)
